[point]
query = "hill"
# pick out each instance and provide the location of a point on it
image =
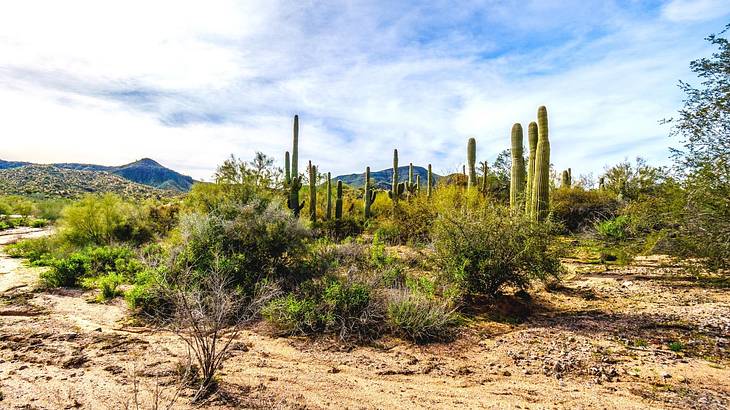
(145, 171)
(383, 179)
(52, 181)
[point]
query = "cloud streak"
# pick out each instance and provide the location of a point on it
(188, 83)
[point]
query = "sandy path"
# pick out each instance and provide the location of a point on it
(599, 341)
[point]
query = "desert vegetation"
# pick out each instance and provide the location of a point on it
(293, 253)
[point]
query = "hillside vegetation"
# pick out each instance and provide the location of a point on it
(50, 181)
(145, 171)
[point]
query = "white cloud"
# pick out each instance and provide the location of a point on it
(695, 10)
(365, 77)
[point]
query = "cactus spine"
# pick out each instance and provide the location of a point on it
(312, 192)
(329, 195)
(370, 194)
(471, 159)
(541, 183)
(429, 180)
(532, 142)
(295, 183)
(338, 202)
(396, 189)
(517, 180)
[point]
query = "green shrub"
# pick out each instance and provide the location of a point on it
(339, 229)
(109, 285)
(577, 209)
(103, 220)
(616, 229)
(327, 305)
(256, 241)
(421, 319)
(38, 251)
(146, 295)
(483, 248)
(38, 223)
(66, 272)
(293, 315)
(84, 267)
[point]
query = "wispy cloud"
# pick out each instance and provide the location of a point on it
(189, 83)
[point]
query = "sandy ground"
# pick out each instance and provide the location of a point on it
(600, 340)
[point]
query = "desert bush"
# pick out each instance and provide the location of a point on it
(249, 241)
(577, 209)
(485, 248)
(84, 267)
(350, 309)
(615, 229)
(208, 314)
(421, 319)
(103, 220)
(65, 272)
(339, 229)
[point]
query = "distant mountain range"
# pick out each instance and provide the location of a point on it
(384, 179)
(51, 181)
(145, 171)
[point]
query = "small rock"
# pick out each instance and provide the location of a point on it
(666, 375)
(506, 373)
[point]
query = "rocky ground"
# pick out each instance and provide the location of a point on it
(642, 336)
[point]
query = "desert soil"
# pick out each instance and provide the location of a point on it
(601, 339)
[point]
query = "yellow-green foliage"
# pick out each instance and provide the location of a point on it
(103, 220)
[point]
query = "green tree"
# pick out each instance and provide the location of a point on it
(703, 161)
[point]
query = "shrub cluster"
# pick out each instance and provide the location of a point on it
(485, 248)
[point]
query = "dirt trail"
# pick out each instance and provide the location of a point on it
(601, 340)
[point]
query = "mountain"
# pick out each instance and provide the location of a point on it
(145, 171)
(383, 179)
(52, 181)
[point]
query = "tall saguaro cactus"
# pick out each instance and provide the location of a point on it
(370, 194)
(312, 192)
(418, 185)
(532, 143)
(396, 189)
(485, 175)
(541, 183)
(329, 195)
(411, 186)
(471, 159)
(429, 181)
(287, 172)
(338, 202)
(295, 183)
(517, 180)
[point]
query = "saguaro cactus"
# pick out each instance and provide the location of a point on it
(338, 202)
(370, 194)
(517, 180)
(471, 159)
(287, 172)
(566, 181)
(312, 192)
(418, 184)
(411, 187)
(295, 183)
(485, 174)
(396, 189)
(429, 180)
(541, 184)
(329, 195)
(532, 142)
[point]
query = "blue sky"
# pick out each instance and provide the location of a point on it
(188, 83)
